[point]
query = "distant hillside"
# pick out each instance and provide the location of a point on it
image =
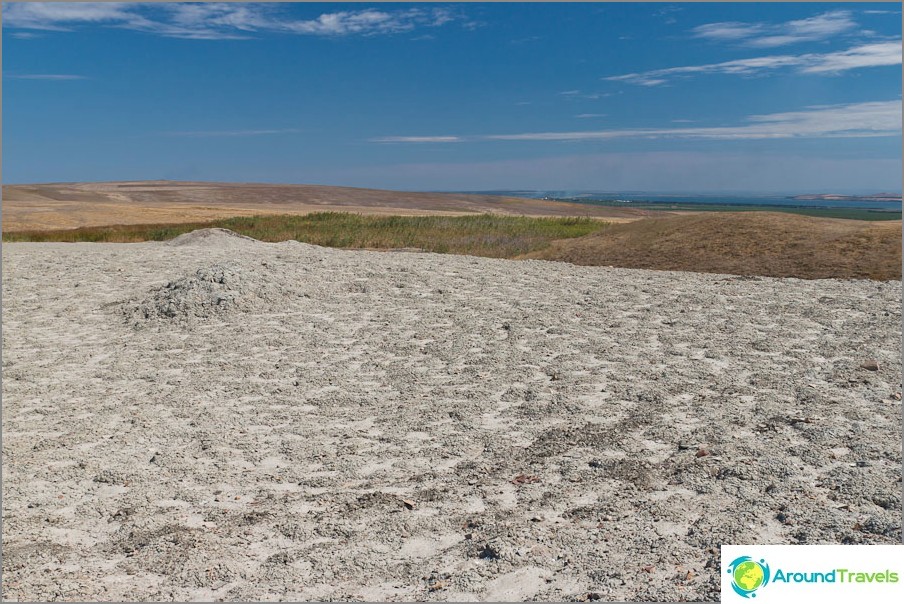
(755, 243)
(70, 205)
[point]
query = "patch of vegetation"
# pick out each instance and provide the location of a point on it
(771, 244)
(486, 235)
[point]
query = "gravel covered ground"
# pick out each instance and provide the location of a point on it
(217, 418)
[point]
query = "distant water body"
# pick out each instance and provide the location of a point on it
(686, 198)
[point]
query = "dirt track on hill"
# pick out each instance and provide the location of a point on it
(222, 418)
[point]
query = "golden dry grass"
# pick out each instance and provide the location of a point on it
(750, 243)
(72, 205)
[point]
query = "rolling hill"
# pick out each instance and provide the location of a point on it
(71, 205)
(751, 243)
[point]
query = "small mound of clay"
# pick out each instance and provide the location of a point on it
(211, 292)
(210, 238)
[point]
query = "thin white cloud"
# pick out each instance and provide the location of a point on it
(857, 120)
(577, 94)
(61, 16)
(667, 171)
(867, 55)
(417, 139)
(48, 76)
(585, 116)
(770, 35)
(665, 13)
(215, 133)
(838, 121)
(526, 40)
(369, 22)
(217, 20)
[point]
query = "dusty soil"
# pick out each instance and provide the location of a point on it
(71, 205)
(222, 418)
(743, 243)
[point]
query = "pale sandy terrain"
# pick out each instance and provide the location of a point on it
(70, 205)
(226, 419)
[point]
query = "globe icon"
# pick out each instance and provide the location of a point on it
(748, 575)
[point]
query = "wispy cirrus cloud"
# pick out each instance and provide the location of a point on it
(666, 171)
(418, 139)
(577, 94)
(769, 35)
(47, 76)
(217, 133)
(867, 55)
(857, 120)
(61, 16)
(838, 121)
(218, 20)
(369, 22)
(666, 13)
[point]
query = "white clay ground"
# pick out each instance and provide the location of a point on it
(218, 418)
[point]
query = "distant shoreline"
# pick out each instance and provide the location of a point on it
(832, 197)
(651, 200)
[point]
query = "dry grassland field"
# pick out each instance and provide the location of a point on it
(750, 243)
(215, 417)
(70, 205)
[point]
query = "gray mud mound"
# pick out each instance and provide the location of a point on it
(211, 238)
(215, 291)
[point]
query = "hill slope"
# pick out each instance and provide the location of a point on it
(71, 205)
(754, 243)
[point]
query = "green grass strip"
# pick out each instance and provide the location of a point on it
(486, 235)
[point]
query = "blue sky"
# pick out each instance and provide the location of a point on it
(635, 96)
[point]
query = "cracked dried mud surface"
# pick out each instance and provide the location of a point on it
(228, 419)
